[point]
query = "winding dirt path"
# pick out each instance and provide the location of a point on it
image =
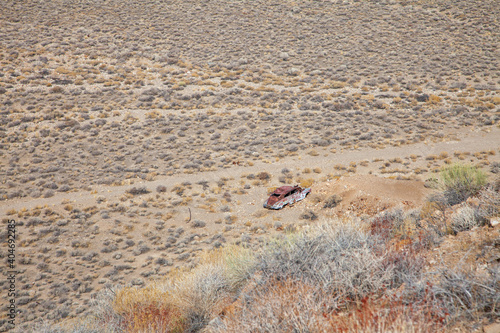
(471, 142)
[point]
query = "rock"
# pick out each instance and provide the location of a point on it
(494, 222)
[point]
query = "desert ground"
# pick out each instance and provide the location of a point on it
(135, 135)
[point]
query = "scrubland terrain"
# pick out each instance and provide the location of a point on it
(139, 139)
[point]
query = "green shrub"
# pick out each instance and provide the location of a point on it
(460, 181)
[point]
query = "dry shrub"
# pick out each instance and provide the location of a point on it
(264, 176)
(150, 309)
(288, 305)
(207, 290)
(332, 201)
(343, 260)
(306, 182)
(237, 264)
(465, 218)
(404, 229)
(387, 224)
(184, 303)
(434, 99)
(489, 202)
(201, 294)
(104, 318)
(154, 318)
(138, 190)
(467, 295)
(278, 306)
(387, 314)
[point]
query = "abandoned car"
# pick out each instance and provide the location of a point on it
(286, 195)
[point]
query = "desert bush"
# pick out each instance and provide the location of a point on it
(240, 264)
(467, 295)
(332, 201)
(138, 190)
(308, 215)
(388, 223)
(388, 314)
(198, 224)
(187, 301)
(469, 216)
(465, 218)
(161, 189)
(489, 202)
(460, 182)
(102, 319)
(495, 167)
(201, 294)
(264, 176)
(304, 183)
(292, 306)
(304, 281)
(278, 306)
(149, 309)
(345, 261)
(434, 210)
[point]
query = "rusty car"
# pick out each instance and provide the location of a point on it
(286, 195)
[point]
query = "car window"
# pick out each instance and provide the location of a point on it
(275, 195)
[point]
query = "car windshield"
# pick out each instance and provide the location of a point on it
(275, 195)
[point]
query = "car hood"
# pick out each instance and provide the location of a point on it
(272, 200)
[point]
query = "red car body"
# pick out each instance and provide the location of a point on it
(286, 195)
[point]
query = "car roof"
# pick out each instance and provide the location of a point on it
(284, 189)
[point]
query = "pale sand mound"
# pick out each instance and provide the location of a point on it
(367, 194)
